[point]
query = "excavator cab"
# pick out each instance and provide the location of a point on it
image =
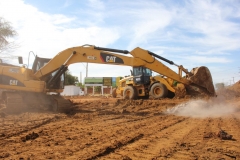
(39, 63)
(141, 75)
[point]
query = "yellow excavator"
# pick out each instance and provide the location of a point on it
(141, 84)
(24, 88)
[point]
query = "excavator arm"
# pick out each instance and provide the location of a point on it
(83, 54)
(137, 57)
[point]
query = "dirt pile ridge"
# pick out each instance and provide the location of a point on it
(235, 87)
(230, 92)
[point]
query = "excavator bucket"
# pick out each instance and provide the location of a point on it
(201, 78)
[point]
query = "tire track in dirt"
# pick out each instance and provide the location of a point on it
(48, 131)
(229, 148)
(170, 140)
(155, 139)
(193, 147)
(119, 134)
(105, 140)
(94, 144)
(59, 129)
(147, 131)
(109, 150)
(143, 132)
(27, 128)
(217, 148)
(183, 148)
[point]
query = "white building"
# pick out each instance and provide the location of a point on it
(72, 90)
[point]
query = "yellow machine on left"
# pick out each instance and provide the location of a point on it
(20, 90)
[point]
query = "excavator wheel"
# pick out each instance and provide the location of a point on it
(158, 90)
(129, 93)
(114, 92)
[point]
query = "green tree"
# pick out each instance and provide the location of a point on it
(70, 79)
(6, 32)
(79, 84)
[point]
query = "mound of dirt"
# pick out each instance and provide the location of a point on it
(231, 91)
(235, 87)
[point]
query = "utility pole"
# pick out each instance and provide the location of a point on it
(87, 70)
(80, 77)
(233, 80)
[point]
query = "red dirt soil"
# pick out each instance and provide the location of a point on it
(108, 128)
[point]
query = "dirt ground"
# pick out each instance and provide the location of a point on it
(108, 128)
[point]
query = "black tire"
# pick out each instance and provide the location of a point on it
(144, 97)
(129, 93)
(114, 93)
(170, 94)
(158, 90)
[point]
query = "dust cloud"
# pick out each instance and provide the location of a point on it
(217, 107)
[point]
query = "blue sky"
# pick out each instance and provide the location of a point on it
(191, 33)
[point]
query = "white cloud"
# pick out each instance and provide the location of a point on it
(211, 21)
(206, 59)
(44, 33)
(67, 3)
(61, 19)
(149, 21)
(96, 4)
(140, 21)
